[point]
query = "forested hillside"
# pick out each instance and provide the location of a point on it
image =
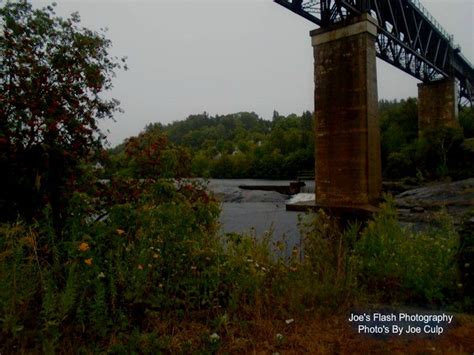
(240, 145)
(243, 145)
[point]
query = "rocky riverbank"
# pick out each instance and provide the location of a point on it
(420, 205)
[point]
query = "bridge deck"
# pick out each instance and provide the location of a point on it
(408, 36)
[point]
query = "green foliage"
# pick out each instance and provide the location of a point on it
(157, 256)
(158, 252)
(438, 150)
(383, 261)
(52, 73)
(399, 130)
(466, 120)
(150, 156)
(466, 259)
(328, 261)
(435, 154)
(240, 145)
(402, 265)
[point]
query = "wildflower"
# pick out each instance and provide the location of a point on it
(279, 337)
(101, 275)
(140, 267)
(120, 231)
(214, 338)
(88, 261)
(83, 247)
(289, 321)
(30, 241)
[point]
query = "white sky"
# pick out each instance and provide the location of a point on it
(224, 56)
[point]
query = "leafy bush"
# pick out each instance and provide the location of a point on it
(151, 155)
(466, 120)
(108, 282)
(438, 150)
(400, 164)
(402, 265)
(327, 261)
(157, 253)
(466, 259)
(380, 262)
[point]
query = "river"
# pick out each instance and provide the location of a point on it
(255, 212)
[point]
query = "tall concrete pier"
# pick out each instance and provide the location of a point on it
(437, 105)
(348, 163)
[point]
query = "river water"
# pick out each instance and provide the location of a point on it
(254, 212)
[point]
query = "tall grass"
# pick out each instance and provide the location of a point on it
(110, 284)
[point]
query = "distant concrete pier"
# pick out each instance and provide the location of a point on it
(437, 105)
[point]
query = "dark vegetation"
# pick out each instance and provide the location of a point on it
(432, 155)
(51, 75)
(134, 264)
(240, 145)
(243, 145)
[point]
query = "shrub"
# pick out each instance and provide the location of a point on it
(381, 262)
(327, 264)
(397, 264)
(157, 253)
(401, 164)
(438, 150)
(466, 259)
(466, 120)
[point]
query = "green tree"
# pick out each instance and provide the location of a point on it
(435, 150)
(150, 155)
(52, 74)
(466, 119)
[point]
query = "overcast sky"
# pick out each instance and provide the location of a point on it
(225, 56)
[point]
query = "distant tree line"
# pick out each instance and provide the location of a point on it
(243, 145)
(434, 154)
(240, 145)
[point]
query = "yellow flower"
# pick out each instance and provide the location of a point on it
(88, 261)
(83, 246)
(120, 231)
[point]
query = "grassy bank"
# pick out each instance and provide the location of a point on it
(153, 275)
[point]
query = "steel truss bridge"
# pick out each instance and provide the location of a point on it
(408, 37)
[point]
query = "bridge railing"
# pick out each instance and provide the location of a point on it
(433, 21)
(463, 57)
(440, 28)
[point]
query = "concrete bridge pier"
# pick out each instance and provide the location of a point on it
(437, 105)
(348, 163)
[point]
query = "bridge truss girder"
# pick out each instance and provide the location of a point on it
(408, 37)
